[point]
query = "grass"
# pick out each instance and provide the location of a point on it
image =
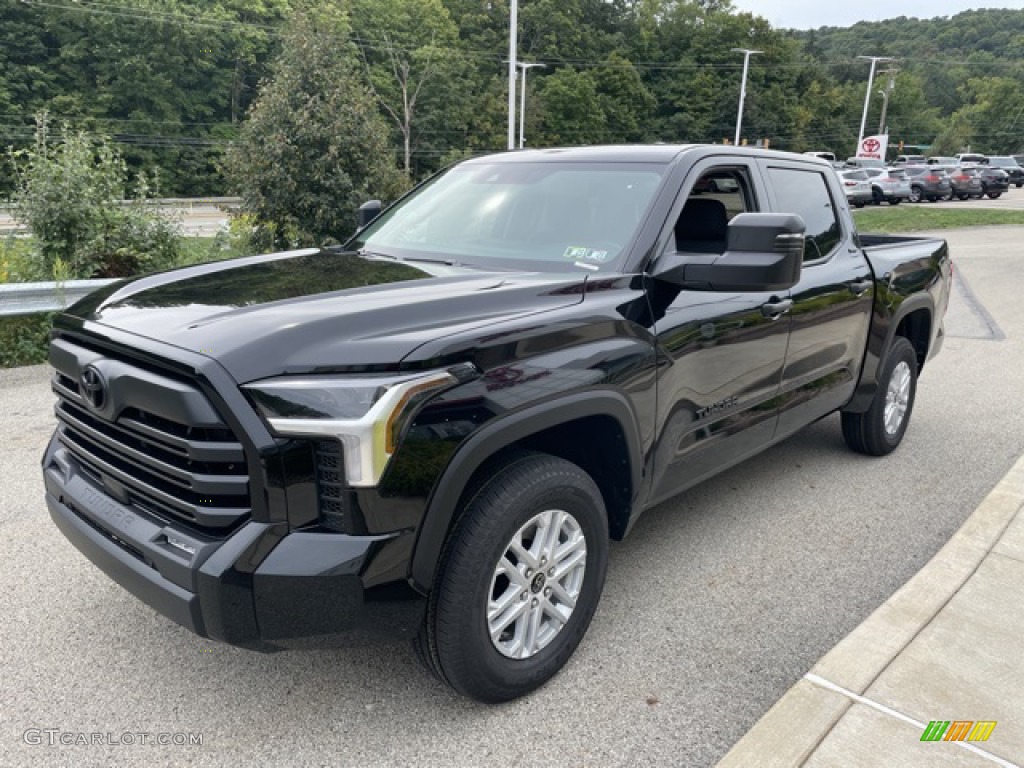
(920, 217)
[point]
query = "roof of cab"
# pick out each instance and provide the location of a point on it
(628, 153)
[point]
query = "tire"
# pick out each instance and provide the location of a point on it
(880, 429)
(962, 197)
(894, 201)
(858, 205)
(494, 556)
(916, 193)
(993, 195)
(876, 196)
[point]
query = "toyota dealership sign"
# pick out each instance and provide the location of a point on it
(873, 146)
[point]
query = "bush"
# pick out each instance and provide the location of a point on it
(69, 195)
(24, 340)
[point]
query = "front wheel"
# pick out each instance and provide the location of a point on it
(993, 195)
(522, 577)
(915, 195)
(880, 429)
(894, 201)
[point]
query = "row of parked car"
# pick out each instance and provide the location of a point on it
(933, 178)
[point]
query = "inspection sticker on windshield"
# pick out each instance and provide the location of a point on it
(581, 253)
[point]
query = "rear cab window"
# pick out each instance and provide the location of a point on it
(806, 192)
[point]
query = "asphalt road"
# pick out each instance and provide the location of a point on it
(714, 607)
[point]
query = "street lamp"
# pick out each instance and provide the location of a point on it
(867, 96)
(525, 66)
(513, 23)
(747, 53)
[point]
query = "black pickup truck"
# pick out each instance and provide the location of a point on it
(438, 427)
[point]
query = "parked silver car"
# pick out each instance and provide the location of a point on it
(890, 185)
(857, 187)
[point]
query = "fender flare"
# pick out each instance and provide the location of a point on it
(873, 356)
(496, 435)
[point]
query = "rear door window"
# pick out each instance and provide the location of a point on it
(806, 193)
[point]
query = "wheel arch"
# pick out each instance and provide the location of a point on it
(568, 427)
(912, 320)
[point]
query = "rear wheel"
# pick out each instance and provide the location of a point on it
(916, 193)
(880, 429)
(993, 195)
(521, 579)
(876, 196)
(894, 201)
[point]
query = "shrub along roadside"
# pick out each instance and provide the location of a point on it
(69, 193)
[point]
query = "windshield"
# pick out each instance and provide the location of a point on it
(553, 216)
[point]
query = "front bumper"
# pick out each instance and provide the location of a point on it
(259, 587)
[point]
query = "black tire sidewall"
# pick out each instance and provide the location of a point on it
(471, 663)
(901, 351)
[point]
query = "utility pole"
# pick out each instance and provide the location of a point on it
(890, 86)
(525, 66)
(513, 24)
(747, 53)
(867, 96)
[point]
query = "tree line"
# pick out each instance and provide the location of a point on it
(173, 82)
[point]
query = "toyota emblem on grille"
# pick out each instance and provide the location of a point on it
(94, 387)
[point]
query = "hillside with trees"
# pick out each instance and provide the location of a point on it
(173, 82)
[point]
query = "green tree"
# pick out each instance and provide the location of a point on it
(314, 147)
(409, 48)
(69, 194)
(570, 110)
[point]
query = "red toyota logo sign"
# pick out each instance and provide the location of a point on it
(871, 145)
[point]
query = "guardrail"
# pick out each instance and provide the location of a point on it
(29, 298)
(174, 202)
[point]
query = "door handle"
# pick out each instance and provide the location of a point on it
(860, 287)
(776, 309)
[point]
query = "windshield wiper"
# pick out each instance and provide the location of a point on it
(445, 262)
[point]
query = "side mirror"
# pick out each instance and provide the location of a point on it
(368, 211)
(763, 252)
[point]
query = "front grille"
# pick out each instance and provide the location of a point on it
(159, 445)
(330, 484)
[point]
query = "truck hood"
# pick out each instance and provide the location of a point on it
(318, 310)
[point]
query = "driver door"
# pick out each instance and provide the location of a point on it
(721, 354)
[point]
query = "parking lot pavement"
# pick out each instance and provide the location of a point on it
(714, 607)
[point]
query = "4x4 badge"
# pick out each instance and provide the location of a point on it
(94, 387)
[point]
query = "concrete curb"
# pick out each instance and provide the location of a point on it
(793, 728)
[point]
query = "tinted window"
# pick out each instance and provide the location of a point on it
(806, 193)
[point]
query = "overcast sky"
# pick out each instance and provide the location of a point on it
(808, 14)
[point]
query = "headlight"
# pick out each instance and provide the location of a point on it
(365, 413)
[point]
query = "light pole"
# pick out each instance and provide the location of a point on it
(747, 53)
(525, 66)
(513, 23)
(882, 128)
(867, 96)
